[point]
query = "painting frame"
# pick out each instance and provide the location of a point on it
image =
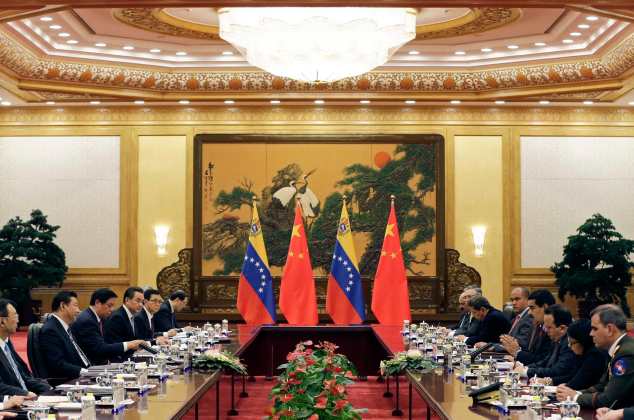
(215, 294)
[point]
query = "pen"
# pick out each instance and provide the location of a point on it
(613, 404)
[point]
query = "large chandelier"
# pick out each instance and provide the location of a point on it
(313, 44)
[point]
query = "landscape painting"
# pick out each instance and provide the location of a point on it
(275, 172)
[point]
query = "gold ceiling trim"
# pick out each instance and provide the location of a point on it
(154, 20)
(165, 17)
(580, 75)
(362, 117)
(478, 20)
(482, 20)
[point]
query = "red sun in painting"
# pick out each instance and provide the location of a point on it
(381, 159)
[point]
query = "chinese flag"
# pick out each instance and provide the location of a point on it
(390, 298)
(298, 302)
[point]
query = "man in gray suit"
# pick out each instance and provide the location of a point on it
(522, 322)
(467, 325)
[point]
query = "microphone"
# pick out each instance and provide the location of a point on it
(148, 348)
(480, 351)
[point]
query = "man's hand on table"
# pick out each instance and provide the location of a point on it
(607, 414)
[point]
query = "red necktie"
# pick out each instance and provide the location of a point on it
(100, 327)
(517, 318)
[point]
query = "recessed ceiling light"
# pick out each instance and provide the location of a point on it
(128, 47)
(100, 44)
(319, 101)
(631, 103)
(275, 102)
(55, 27)
(544, 102)
(588, 102)
(46, 18)
(413, 52)
(364, 101)
(500, 102)
(410, 102)
(50, 102)
(139, 102)
(72, 41)
(229, 102)
(583, 26)
(455, 102)
(575, 33)
(155, 50)
(592, 18)
(227, 53)
(5, 103)
(183, 102)
(460, 53)
(512, 47)
(540, 44)
(63, 34)
(567, 41)
(95, 102)
(181, 53)
(486, 49)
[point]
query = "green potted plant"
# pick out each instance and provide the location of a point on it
(596, 266)
(29, 258)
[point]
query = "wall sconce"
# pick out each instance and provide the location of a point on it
(160, 236)
(479, 232)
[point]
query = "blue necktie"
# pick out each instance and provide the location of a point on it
(14, 366)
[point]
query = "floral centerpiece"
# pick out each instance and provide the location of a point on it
(215, 360)
(406, 360)
(313, 385)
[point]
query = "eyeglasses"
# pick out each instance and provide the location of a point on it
(156, 300)
(572, 342)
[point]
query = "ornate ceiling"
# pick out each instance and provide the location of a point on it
(74, 55)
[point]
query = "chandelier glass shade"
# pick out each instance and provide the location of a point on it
(317, 44)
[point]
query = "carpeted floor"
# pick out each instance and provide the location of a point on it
(368, 394)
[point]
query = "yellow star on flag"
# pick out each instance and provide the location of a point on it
(296, 232)
(388, 230)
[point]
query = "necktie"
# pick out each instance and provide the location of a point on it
(83, 357)
(100, 326)
(14, 366)
(152, 325)
(132, 325)
(517, 318)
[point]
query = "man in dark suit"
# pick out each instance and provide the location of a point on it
(120, 327)
(522, 321)
(616, 387)
(88, 330)
(539, 344)
(562, 361)
(493, 323)
(467, 325)
(63, 358)
(15, 377)
(165, 317)
(144, 319)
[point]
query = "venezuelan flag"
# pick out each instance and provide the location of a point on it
(255, 290)
(344, 301)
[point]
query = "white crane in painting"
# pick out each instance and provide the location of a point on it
(307, 198)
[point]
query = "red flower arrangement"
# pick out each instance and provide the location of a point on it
(312, 385)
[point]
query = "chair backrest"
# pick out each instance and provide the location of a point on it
(33, 351)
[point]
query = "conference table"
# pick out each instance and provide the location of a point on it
(444, 394)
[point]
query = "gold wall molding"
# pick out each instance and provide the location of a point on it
(534, 277)
(125, 272)
(330, 115)
(581, 75)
